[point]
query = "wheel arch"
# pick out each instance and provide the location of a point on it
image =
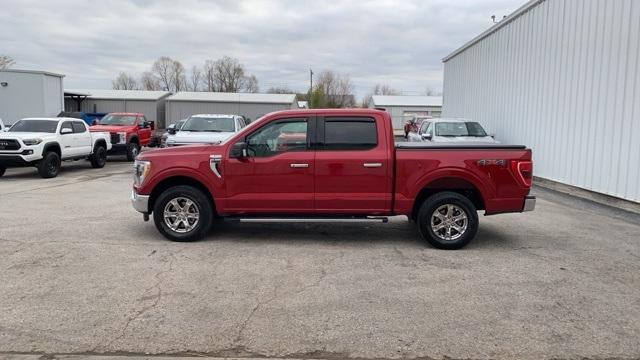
(178, 180)
(100, 142)
(461, 185)
(52, 146)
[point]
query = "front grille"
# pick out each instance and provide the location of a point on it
(9, 144)
(115, 138)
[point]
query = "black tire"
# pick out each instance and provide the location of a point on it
(200, 200)
(2, 170)
(99, 157)
(133, 149)
(440, 202)
(49, 166)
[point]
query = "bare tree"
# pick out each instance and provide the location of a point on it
(378, 89)
(124, 81)
(337, 89)
(250, 84)
(178, 77)
(228, 75)
(162, 70)
(195, 79)
(208, 75)
(280, 90)
(6, 62)
(148, 81)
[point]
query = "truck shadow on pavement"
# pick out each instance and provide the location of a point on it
(333, 234)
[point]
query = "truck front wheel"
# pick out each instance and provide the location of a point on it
(448, 220)
(183, 213)
(133, 149)
(49, 166)
(99, 157)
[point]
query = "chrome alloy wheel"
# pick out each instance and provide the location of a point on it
(449, 222)
(181, 215)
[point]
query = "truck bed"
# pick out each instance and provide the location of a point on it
(456, 145)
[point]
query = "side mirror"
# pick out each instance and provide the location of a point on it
(427, 137)
(65, 131)
(239, 150)
(172, 129)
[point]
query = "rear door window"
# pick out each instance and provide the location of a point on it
(79, 127)
(349, 134)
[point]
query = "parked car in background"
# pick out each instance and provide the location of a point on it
(129, 132)
(450, 130)
(45, 142)
(160, 138)
(205, 128)
(413, 124)
(331, 165)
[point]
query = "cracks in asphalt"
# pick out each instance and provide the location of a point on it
(154, 298)
(274, 296)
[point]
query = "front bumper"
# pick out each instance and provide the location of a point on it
(17, 160)
(140, 202)
(529, 203)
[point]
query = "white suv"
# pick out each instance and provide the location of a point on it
(45, 142)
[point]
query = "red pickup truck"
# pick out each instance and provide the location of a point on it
(128, 132)
(331, 165)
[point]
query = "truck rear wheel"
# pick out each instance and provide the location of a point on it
(448, 220)
(183, 213)
(133, 149)
(99, 157)
(49, 166)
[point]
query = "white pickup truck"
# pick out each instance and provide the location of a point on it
(45, 142)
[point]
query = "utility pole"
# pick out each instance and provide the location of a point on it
(311, 81)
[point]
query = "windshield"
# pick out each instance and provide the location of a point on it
(118, 120)
(45, 126)
(209, 124)
(460, 129)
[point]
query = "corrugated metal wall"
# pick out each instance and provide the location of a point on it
(177, 109)
(564, 79)
(29, 95)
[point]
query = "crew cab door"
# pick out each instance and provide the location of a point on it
(81, 138)
(144, 131)
(67, 140)
(276, 176)
(353, 173)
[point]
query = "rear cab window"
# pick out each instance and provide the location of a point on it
(349, 133)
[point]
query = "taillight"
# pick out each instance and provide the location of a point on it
(523, 170)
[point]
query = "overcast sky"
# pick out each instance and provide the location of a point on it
(400, 43)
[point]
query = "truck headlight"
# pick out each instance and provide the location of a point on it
(30, 142)
(123, 137)
(141, 169)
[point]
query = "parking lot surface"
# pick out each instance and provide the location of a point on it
(81, 274)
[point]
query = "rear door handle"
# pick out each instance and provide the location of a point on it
(372, 165)
(299, 165)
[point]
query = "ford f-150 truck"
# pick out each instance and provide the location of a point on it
(45, 142)
(129, 132)
(331, 165)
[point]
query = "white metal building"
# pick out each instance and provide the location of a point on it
(150, 103)
(25, 93)
(402, 107)
(250, 105)
(563, 77)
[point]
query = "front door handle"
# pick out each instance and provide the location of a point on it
(299, 165)
(372, 165)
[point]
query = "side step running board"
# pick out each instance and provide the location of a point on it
(377, 219)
